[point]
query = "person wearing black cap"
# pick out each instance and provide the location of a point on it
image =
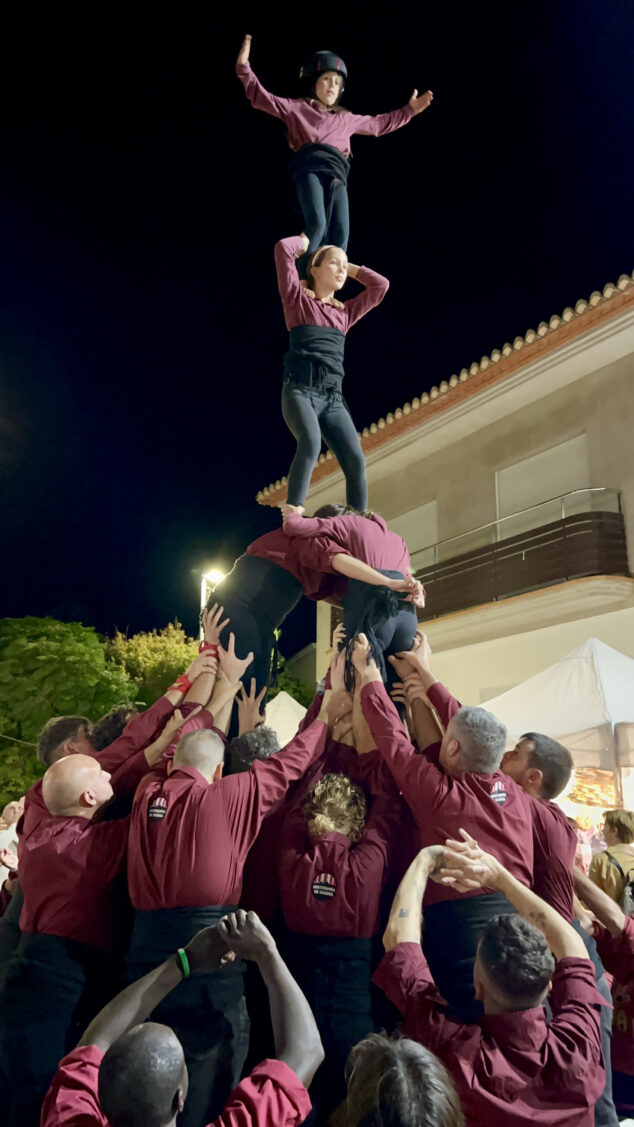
(319, 132)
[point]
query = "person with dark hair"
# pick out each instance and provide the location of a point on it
(512, 1067)
(190, 833)
(130, 1072)
(333, 866)
(398, 1083)
(312, 400)
(452, 782)
(112, 725)
(318, 133)
(389, 622)
(543, 767)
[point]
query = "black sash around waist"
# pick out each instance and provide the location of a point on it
(159, 933)
(319, 158)
(315, 356)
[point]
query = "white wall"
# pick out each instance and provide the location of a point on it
(477, 673)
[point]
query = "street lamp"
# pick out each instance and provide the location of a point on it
(208, 580)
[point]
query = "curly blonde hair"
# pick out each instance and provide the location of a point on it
(335, 804)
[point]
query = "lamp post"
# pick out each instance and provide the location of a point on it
(208, 580)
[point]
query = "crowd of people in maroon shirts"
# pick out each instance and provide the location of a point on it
(380, 923)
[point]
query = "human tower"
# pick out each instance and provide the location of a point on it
(314, 266)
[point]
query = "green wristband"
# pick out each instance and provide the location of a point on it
(184, 961)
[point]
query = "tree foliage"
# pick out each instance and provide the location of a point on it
(49, 668)
(290, 684)
(152, 659)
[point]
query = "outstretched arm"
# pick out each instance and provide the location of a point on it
(295, 1033)
(468, 867)
(606, 910)
(259, 98)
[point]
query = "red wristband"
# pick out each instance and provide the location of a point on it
(182, 684)
(205, 646)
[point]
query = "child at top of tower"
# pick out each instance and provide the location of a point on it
(319, 132)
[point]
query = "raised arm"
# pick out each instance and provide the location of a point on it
(405, 924)
(295, 1034)
(285, 253)
(259, 98)
(381, 124)
(375, 289)
(468, 867)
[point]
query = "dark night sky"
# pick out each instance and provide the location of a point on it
(140, 330)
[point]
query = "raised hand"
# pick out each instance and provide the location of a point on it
(338, 636)
(365, 667)
(337, 671)
(245, 935)
(207, 950)
(232, 666)
(204, 663)
(467, 866)
(249, 716)
(417, 595)
(245, 51)
(420, 103)
(175, 722)
(211, 624)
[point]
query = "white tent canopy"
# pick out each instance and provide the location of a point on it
(582, 697)
(284, 714)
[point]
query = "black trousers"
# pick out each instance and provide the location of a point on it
(313, 413)
(257, 595)
(324, 203)
(450, 941)
(335, 977)
(53, 988)
(207, 1012)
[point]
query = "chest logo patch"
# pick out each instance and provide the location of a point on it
(324, 886)
(157, 809)
(498, 794)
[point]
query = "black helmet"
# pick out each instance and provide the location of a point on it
(322, 61)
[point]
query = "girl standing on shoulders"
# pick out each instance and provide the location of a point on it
(312, 402)
(319, 132)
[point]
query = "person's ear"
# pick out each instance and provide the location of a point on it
(218, 773)
(87, 798)
(170, 766)
(534, 777)
(178, 1103)
(453, 750)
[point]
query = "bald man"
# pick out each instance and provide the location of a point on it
(142, 1078)
(62, 970)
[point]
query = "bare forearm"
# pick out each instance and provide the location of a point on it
(132, 1006)
(295, 1033)
(604, 907)
(427, 729)
(562, 939)
(406, 916)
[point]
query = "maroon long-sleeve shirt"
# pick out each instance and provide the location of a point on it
(271, 1096)
(308, 122)
(494, 809)
(302, 309)
(189, 838)
(68, 872)
(368, 540)
(124, 759)
(310, 561)
(554, 848)
(515, 1068)
(330, 886)
(617, 956)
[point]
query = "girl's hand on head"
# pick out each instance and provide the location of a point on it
(245, 51)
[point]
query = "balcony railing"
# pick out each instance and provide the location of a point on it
(577, 534)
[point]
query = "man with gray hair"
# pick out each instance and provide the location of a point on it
(448, 784)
